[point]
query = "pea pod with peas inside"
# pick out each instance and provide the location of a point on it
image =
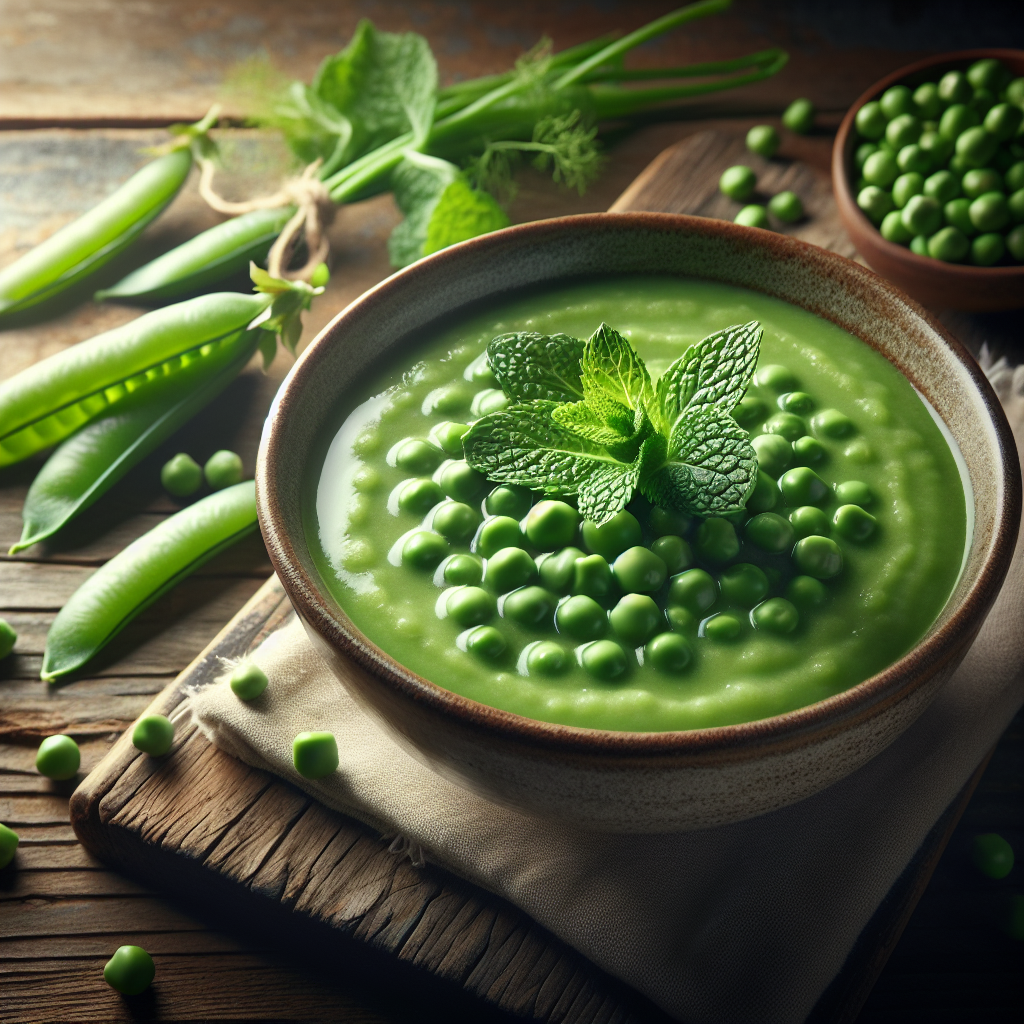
(83, 246)
(143, 572)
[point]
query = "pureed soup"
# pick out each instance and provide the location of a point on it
(848, 548)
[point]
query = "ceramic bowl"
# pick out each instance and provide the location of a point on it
(933, 283)
(621, 781)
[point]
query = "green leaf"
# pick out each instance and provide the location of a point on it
(462, 212)
(522, 444)
(711, 466)
(611, 424)
(609, 489)
(612, 370)
(385, 83)
(530, 366)
(715, 371)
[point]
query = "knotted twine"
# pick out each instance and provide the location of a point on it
(313, 215)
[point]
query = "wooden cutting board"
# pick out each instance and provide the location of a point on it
(249, 851)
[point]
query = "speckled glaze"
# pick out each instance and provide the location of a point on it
(933, 283)
(619, 781)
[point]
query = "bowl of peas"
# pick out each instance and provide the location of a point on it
(928, 175)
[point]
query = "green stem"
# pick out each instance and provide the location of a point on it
(717, 67)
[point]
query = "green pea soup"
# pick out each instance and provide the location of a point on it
(850, 545)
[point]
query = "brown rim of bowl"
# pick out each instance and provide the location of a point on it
(744, 739)
(845, 132)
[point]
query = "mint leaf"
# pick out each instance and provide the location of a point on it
(522, 444)
(609, 488)
(710, 466)
(612, 370)
(462, 212)
(530, 366)
(605, 423)
(715, 371)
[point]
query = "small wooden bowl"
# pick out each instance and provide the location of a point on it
(933, 283)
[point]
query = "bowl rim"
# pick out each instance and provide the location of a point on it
(732, 742)
(844, 141)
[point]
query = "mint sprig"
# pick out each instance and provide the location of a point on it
(587, 420)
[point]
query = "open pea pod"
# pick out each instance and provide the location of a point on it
(150, 566)
(214, 254)
(84, 245)
(92, 460)
(49, 401)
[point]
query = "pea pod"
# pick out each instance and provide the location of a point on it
(150, 566)
(49, 401)
(211, 256)
(84, 245)
(97, 456)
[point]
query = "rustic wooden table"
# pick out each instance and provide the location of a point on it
(84, 87)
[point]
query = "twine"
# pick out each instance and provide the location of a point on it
(313, 216)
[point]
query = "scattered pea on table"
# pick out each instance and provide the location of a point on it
(763, 139)
(315, 754)
(992, 855)
(58, 758)
(223, 469)
(247, 681)
(8, 638)
(786, 206)
(153, 735)
(738, 182)
(753, 216)
(130, 970)
(181, 475)
(799, 116)
(8, 845)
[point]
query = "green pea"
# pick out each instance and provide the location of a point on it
(497, 533)
(557, 571)
(776, 615)
(414, 455)
(1015, 92)
(664, 521)
(928, 101)
(786, 206)
(770, 532)
(1015, 203)
(315, 754)
(153, 735)
(551, 525)
(809, 452)
(723, 628)
(871, 120)
(753, 216)
(806, 593)
(471, 606)
(531, 606)
(223, 469)
(130, 970)
(832, 423)
(744, 584)
(181, 476)
(592, 576)
(989, 212)
(819, 557)
(763, 139)
(455, 521)
(802, 486)
(487, 401)
(509, 500)
(956, 120)
(366, 480)
(8, 638)
(419, 496)
(896, 100)
(976, 146)
(610, 540)
(451, 398)
(448, 436)
(936, 147)
(987, 73)
(787, 425)
(955, 88)
(959, 165)
(508, 569)
(58, 757)
(680, 619)
(462, 570)
(903, 131)
(922, 215)
(983, 101)
(604, 659)
(774, 453)
(640, 570)
(854, 492)
(980, 180)
(942, 186)
(775, 376)
(861, 154)
(581, 618)
(693, 590)
(485, 642)
(248, 681)
(853, 523)
(1015, 243)
(892, 228)
(957, 213)
(461, 482)
(799, 116)
(546, 658)
(716, 540)
(809, 521)
(749, 410)
(424, 550)
(668, 653)
(1014, 176)
(992, 855)
(635, 619)
(737, 182)
(875, 202)
(905, 187)
(765, 494)
(674, 552)
(986, 250)
(8, 845)
(881, 169)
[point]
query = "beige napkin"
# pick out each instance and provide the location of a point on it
(747, 922)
